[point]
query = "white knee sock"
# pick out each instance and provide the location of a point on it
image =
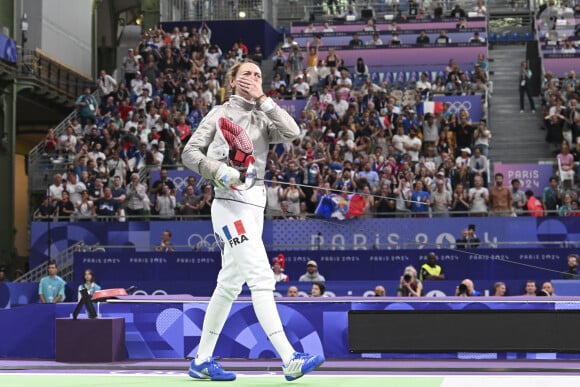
(267, 313)
(215, 317)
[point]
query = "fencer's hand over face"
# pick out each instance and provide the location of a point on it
(248, 81)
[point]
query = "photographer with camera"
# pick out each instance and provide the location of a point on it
(409, 285)
(466, 289)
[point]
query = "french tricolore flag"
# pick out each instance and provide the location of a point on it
(432, 107)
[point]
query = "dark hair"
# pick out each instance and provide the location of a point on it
(91, 273)
(320, 286)
(51, 262)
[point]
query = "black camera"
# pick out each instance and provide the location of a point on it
(407, 278)
(462, 290)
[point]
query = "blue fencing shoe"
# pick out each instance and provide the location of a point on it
(301, 364)
(210, 370)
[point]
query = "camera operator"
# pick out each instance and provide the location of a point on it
(466, 289)
(409, 285)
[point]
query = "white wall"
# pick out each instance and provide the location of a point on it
(66, 30)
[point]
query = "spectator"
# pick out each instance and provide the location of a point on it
(165, 244)
(573, 262)
(478, 198)
(130, 66)
(165, 203)
(51, 287)
(460, 204)
(423, 38)
(65, 208)
(443, 38)
(518, 198)
(318, 290)
(355, 41)
(548, 288)
(409, 285)
(500, 198)
(478, 165)
(481, 135)
(533, 205)
(476, 38)
(566, 162)
(499, 289)
(386, 203)
(431, 270)
(457, 12)
(87, 106)
(380, 291)
(84, 208)
(189, 204)
(468, 238)
(46, 211)
(106, 208)
(278, 270)
(530, 289)
(292, 291)
(551, 197)
(312, 274)
(375, 40)
(466, 289)
(107, 85)
(88, 283)
(137, 199)
(480, 8)
(440, 197)
(420, 201)
(566, 209)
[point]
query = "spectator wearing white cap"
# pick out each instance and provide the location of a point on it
(312, 274)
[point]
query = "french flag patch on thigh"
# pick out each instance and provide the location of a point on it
(236, 233)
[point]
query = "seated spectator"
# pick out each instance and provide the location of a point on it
(355, 41)
(165, 244)
(318, 289)
(375, 40)
(480, 8)
(65, 208)
(51, 143)
(301, 86)
(499, 289)
(278, 268)
(468, 238)
(409, 285)
(46, 211)
(566, 208)
(395, 40)
(312, 274)
(567, 165)
(423, 38)
(292, 291)
(457, 12)
(476, 38)
(443, 38)
(350, 14)
(380, 291)
(530, 289)
(573, 263)
(547, 289)
(371, 26)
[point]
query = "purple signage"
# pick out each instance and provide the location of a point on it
(471, 103)
(560, 64)
(411, 57)
(385, 26)
(532, 176)
(293, 106)
(409, 38)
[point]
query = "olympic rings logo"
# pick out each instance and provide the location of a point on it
(198, 242)
(158, 292)
(457, 106)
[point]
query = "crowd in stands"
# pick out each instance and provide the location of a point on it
(357, 137)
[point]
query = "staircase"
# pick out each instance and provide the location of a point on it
(517, 137)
